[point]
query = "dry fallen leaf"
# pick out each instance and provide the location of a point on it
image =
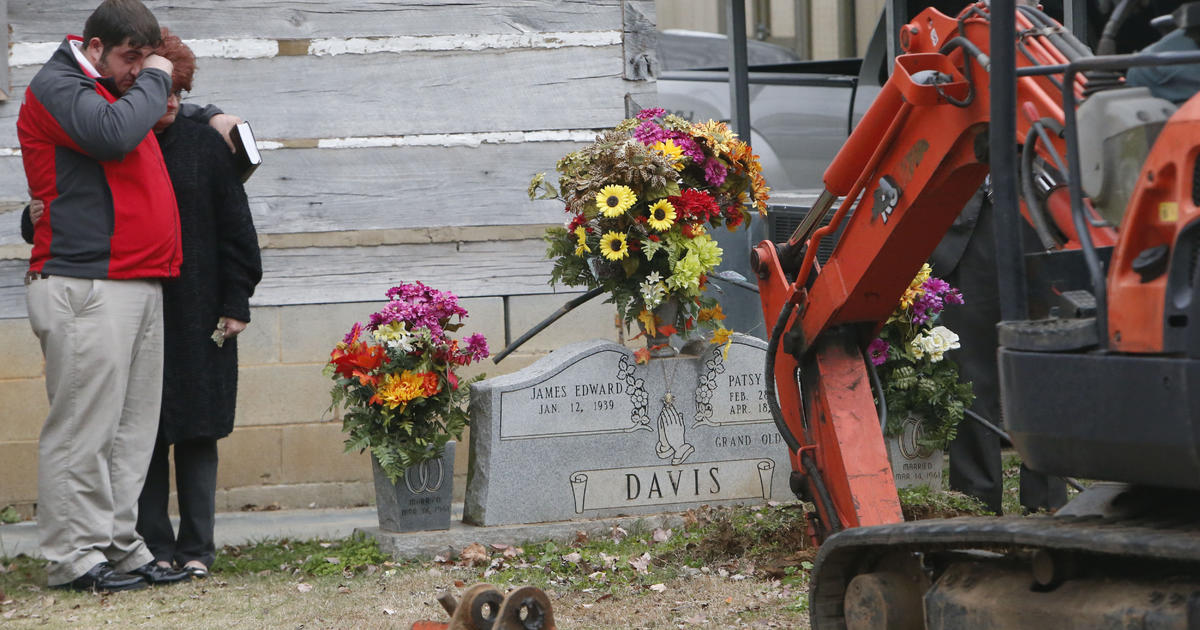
(573, 557)
(343, 589)
(658, 588)
(581, 537)
(513, 552)
(388, 611)
(303, 588)
(641, 563)
(474, 554)
(661, 535)
(499, 546)
(459, 583)
(618, 533)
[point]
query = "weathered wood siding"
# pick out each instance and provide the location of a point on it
(381, 116)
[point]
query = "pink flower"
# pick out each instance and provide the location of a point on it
(651, 113)
(714, 172)
(688, 145)
(649, 133)
(419, 306)
(878, 351)
(352, 336)
(477, 347)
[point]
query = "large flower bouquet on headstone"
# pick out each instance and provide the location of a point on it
(396, 378)
(641, 201)
(910, 354)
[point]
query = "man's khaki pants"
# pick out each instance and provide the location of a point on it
(103, 343)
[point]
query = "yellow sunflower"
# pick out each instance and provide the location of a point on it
(671, 151)
(582, 247)
(613, 201)
(612, 246)
(662, 215)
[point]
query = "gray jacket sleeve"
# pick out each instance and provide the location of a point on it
(107, 131)
(199, 114)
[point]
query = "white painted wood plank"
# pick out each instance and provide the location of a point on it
(640, 40)
(357, 274)
(352, 274)
(320, 190)
(388, 95)
(12, 288)
(42, 20)
(324, 190)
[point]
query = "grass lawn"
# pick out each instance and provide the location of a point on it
(725, 568)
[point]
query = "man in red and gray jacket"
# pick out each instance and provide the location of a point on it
(108, 236)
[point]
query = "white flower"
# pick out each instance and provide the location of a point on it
(653, 290)
(936, 343)
(395, 336)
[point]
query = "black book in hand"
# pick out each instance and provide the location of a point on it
(245, 150)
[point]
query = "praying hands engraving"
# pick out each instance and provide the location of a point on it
(672, 441)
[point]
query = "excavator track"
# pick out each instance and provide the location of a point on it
(989, 550)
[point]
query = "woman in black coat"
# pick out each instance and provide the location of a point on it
(203, 311)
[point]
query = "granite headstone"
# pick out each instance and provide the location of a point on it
(587, 432)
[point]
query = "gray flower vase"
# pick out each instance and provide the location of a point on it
(659, 344)
(420, 501)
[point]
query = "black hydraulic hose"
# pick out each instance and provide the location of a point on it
(1025, 53)
(806, 459)
(1041, 19)
(1108, 38)
(1032, 203)
(1056, 33)
(814, 473)
(769, 379)
(969, 46)
(972, 50)
(881, 404)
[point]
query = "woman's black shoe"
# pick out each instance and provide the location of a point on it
(102, 578)
(197, 572)
(155, 574)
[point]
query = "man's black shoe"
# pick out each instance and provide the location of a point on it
(102, 578)
(155, 574)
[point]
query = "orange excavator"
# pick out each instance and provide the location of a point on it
(1104, 385)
